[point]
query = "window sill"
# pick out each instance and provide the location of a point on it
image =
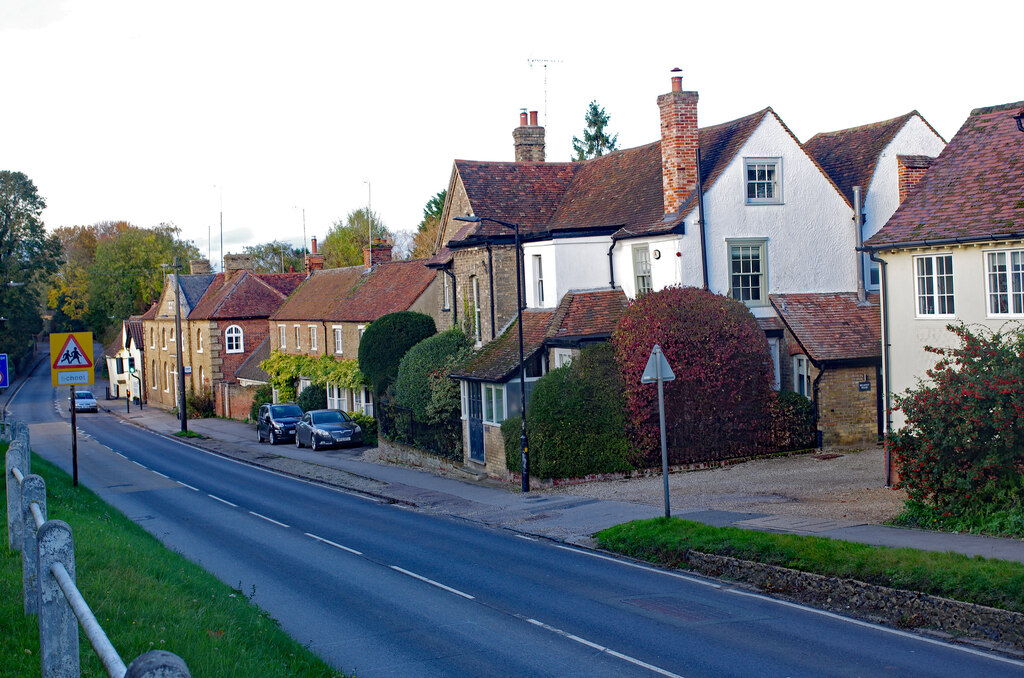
(935, 316)
(762, 204)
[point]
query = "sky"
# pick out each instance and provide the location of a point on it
(180, 112)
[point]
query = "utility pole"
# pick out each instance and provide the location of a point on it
(182, 407)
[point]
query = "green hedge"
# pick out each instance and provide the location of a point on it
(424, 371)
(386, 341)
(264, 394)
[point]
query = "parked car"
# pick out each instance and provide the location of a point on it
(85, 401)
(327, 428)
(276, 422)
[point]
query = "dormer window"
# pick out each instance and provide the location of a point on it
(763, 180)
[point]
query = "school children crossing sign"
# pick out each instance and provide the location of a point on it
(71, 358)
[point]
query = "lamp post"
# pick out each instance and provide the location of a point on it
(524, 459)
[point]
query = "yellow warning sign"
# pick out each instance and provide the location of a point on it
(71, 358)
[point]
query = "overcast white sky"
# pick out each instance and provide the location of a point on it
(150, 112)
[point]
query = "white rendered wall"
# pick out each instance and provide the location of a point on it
(665, 270)
(883, 195)
(567, 264)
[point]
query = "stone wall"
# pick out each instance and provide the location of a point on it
(847, 415)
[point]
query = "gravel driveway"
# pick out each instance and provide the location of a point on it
(850, 486)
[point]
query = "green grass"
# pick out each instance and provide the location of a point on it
(188, 434)
(996, 583)
(145, 597)
(1000, 521)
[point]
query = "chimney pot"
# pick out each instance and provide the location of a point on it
(313, 245)
(677, 80)
(522, 119)
(533, 118)
(679, 142)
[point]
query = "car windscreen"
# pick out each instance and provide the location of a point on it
(330, 417)
(84, 394)
(286, 411)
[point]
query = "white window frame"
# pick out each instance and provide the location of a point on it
(239, 339)
(495, 402)
(334, 397)
(933, 280)
(313, 343)
(774, 348)
(199, 341)
(538, 278)
(762, 257)
(464, 398)
(298, 337)
(802, 376)
(477, 325)
(282, 331)
(563, 356)
(644, 280)
(773, 185)
(339, 340)
(447, 291)
(167, 377)
(1010, 283)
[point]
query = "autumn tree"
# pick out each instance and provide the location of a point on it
(426, 233)
(275, 256)
(596, 141)
(346, 239)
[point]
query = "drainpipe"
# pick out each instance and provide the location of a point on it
(882, 264)
(817, 413)
(700, 216)
(858, 225)
(455, 306)
(611, 266)
(490, 281)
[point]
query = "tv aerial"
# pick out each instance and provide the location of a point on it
(544, 63)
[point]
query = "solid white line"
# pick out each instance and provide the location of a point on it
(138, 464)
(523, 536)
(120, 455)
(186, 485)
(223, 501)
(335, 545)
(439, 585)
(638, 566)
(877, 627)
(161, 475)
(260, 515)
(601, 648)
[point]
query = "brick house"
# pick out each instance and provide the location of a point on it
(327, 314)
(954, 249)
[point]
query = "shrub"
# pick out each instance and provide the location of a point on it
(386, 341)
(313, 397)
(792, 422)
(369, 426)
(264, 394)
(575, 420)
(425, 369)
(717, 406)
(962, 448)
(199, 403)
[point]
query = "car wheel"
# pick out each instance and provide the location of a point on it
(259, 435)
(273, 437)
(314, 444)
(298, 443)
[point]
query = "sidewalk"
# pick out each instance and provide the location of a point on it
(567, 518)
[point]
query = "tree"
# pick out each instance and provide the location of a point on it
(596, 141)
(386, 341)
(276, 256)
(426, 233)
(28, 256)
(69, 289)
(422, 384)
(719, 403)
(344, 243)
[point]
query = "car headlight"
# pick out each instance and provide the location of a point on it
(357, 429)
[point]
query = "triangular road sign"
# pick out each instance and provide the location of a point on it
(652, 372)
(71, 356)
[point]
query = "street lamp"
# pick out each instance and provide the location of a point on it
(524, 460)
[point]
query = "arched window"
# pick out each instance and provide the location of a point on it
(202, 377)
(163, 338)
(167, 376)
(152, 370)
(152, 338)
(199, 341)
(233, 339)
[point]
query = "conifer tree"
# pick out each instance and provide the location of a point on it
(595, 140)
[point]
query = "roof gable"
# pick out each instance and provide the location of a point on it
(245, 295)
(524, 193)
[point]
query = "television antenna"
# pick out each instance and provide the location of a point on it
(544, 63)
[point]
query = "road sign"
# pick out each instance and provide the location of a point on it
(71, 358)
(651, 372)
(659, 371)
(4, 381)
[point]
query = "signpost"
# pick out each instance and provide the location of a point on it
(658, 370)
(71, 364)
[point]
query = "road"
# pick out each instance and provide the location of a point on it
(381, 590)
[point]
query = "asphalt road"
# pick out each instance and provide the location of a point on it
(381, 590)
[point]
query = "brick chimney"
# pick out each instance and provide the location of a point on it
(314, 261)
(378, 251)
(529, 139)
(199, 266)
(910, 169)
(236, 262)
(678, 144)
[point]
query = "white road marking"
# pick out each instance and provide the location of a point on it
(647, 568)
(334, 544)
(260, 515)
(439, 585)
(119, 454)
(601, 648)
(186, 485)
(523, 536)
(161, 475)
(138, 464)
(223, 501)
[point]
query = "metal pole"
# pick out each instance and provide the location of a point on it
(524, 460)
(664, 447)
(182, 408)
(74, 439)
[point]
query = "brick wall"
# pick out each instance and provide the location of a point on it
(233, 401)
(472, 263)
(847, 415)
(678, 146)
(494, 451)
(909, 177)
(254, 331)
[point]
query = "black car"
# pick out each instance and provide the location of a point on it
(277, 422)
(327, 428)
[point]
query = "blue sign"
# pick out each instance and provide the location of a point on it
(4, 382)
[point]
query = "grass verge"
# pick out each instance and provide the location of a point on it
(986, 581)
(145, 597)
(188, 434)
(1000, 521)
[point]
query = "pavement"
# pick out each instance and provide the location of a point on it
(567, 518)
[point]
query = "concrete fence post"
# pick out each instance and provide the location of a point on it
(158, 664)
(33, 490)
(58, 626)
(14, 459)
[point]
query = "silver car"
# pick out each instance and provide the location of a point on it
(85, 401)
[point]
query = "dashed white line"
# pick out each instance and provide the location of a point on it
(334, 544)
(439, 585)
(223, 501)
(187, 485)
(138, 464)
(602, 648)
(646, 568)
(260, 515)
(523, 536)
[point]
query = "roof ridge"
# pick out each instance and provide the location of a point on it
(996, 109)
(860, 128)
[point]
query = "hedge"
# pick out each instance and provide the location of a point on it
(385, 342)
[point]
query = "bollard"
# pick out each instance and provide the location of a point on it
(158, 664)
(14, 459)
(33, 490)
(58, 626)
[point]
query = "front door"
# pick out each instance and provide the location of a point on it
(475, 417)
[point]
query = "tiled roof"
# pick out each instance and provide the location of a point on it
(135, 330)
(250, 369)
(115, 346)
(832, 326)
(444, 255)
(193, 287)
(588, 314)
(974, 190)
(849, 155)
(318, 296)
(524, 193)
(150, 313)
(500, 357)
(389, 287)
(246, 295)
(916, 161)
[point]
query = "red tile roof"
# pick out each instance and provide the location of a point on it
(245, 295)
(588, 314)
(500, 357)
(974, 191)
(150, 313)
(388, 287)
(524, 193)
(318, 296)
(114, 347)
(849, 156)
(832, 326)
